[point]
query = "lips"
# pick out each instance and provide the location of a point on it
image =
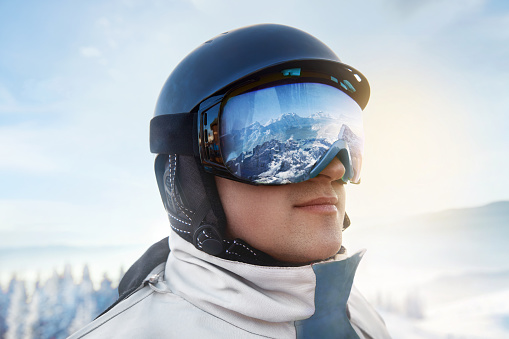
(319, 201)
(320, 206)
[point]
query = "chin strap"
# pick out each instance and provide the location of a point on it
(346, 221)
(205, 236)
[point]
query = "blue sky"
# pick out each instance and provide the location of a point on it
(79, 82)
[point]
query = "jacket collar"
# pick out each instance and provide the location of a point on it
(262, 299)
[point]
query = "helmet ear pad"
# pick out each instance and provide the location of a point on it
(190, 194)
(197, 184)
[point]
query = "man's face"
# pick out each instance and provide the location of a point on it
(296, 223)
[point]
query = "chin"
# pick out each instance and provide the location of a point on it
(328, 254)
(316, 253)
(326, 249)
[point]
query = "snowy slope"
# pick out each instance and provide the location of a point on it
(453, 265)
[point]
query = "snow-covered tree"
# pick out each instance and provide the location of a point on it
(122, 273)
(32, 322)
(413, 306)
(106, 295)
(17, 310)
(48, 308)
(57, 306)
(68, 301)
(86, 303)
(4, 304)
(83, 316)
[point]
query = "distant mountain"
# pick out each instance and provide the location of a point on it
(492, 215)
(285, 146)
(285, 127)
(285, 120)
(446, 288)
(63, 250)
(278, 160)
(320, 115)
(490, 221)
(31, 261)
(458, 239)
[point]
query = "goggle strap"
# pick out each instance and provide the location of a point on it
(174, 134)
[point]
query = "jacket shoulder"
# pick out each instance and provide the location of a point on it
(154, 310)
(106, 325)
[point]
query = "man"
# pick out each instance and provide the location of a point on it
(257, 132)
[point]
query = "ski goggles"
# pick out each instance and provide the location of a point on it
(284, 128)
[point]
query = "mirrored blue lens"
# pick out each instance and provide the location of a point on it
(276, 135)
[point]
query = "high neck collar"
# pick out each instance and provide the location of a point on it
(262, 299)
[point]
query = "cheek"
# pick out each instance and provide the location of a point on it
(250, 217)
(251, 211)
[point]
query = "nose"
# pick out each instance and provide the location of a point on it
(335, 170)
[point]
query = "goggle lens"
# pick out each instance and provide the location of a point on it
(279, 134)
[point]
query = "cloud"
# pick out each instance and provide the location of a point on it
(455, 7)
(24, 149)
(6, 97)
(90, 52)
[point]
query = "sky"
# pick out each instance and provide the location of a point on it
(79, 82)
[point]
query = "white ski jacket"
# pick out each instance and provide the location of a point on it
(196, 295)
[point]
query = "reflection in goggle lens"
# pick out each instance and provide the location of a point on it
(276, 135)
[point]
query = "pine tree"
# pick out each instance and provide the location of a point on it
(413, 306)
(68, 301)
(33, 321)
(122, 273)
(16, 313)
(86, 303)
(56, 306)
(4, 303)
(106, 295)
(48, 308)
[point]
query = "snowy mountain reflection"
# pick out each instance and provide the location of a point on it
(286, 147)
